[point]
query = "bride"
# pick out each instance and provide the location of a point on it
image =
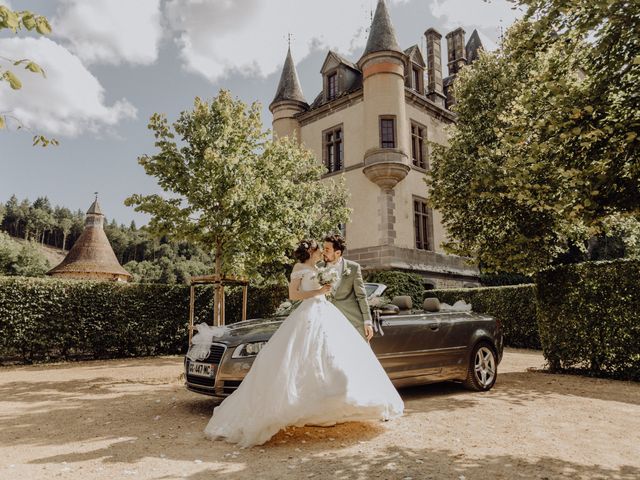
(316, 369)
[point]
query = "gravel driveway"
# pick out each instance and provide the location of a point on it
(134, 419)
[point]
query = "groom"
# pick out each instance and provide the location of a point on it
(349, 294)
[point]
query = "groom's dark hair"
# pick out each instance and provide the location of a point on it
(338, 242)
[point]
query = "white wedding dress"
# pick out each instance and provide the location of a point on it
(315, 370)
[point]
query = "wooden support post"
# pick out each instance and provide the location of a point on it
(216, 305)
(192, 304)
(245, 289)
(222, 299)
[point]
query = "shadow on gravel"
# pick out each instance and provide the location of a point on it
(122, 421)
(405, 462)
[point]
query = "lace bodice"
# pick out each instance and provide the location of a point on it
(308, 276)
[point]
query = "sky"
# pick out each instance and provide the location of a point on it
(111, 64)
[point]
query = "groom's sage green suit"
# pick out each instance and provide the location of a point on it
(350, 296)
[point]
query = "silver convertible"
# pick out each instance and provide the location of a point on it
(415, 346)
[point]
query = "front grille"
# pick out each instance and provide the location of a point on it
(215, 356)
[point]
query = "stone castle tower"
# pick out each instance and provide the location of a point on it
(372, 123)
(91, 257)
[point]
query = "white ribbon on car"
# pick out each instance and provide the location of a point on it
(201, 341)
(459, 306)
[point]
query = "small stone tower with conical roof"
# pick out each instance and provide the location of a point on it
(91, 257)
(288, 102)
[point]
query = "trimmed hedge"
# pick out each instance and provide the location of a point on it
(514, 306)
(589, 317)
(400, 283)
(44, 319)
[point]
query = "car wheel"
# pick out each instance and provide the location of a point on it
(483, 368)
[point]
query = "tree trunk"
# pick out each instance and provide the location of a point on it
(64, 240)
(217, 298)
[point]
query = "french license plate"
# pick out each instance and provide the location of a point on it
(201, 369)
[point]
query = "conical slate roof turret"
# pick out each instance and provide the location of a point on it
(382, 35)
(289, 87)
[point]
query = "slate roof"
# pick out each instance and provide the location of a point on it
(473, 45)
(289, 86)
(382, 35)
(415, 49)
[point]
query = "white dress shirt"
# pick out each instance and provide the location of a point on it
(338, 266)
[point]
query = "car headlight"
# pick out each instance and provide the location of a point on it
(248, 349)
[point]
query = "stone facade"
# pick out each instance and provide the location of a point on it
(399, 92)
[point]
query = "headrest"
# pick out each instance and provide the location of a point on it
(431, 304)
(389, 309)
(403, 302)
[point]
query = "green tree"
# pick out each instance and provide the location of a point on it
(239, 196)
(16, 21)
(16, 259)
(11, 215)
(545, 151)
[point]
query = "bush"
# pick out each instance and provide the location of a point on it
(21, 259)
(589, 317)
(514, 306)
(400, 283)
(45, 319)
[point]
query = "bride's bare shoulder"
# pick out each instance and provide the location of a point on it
(301, 266)
(299, 271)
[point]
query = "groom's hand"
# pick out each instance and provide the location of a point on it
(368, 332)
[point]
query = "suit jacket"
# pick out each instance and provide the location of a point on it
(351, 297)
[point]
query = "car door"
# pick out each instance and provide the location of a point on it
(409, 346)
(450, 341)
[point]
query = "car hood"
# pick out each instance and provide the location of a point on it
(254, 330)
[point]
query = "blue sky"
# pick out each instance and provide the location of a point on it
(112, 63)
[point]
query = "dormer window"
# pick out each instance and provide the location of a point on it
(417, 80)
(332, 86)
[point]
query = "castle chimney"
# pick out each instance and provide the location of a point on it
(456, 51)
(435, 91)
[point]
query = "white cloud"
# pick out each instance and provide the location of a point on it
(110, 31)
(474, 13)
(68, 102)
(218, 36)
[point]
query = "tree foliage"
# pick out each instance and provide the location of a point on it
(16, 21)
(544, 155)
(239, 196)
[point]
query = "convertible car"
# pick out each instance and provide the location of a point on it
(415, 346)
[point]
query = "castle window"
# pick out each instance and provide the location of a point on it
(416, 80)
(333, 151)
(418, 154)
(332, 86)
(388, 132)
(422, 224)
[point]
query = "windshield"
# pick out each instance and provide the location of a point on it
(371, 288)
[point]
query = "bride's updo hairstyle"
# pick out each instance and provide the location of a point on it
(305, 247)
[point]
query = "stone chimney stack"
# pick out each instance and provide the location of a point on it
(456, 51)
(435, 91)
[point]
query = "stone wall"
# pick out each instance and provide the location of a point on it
(439, 270)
